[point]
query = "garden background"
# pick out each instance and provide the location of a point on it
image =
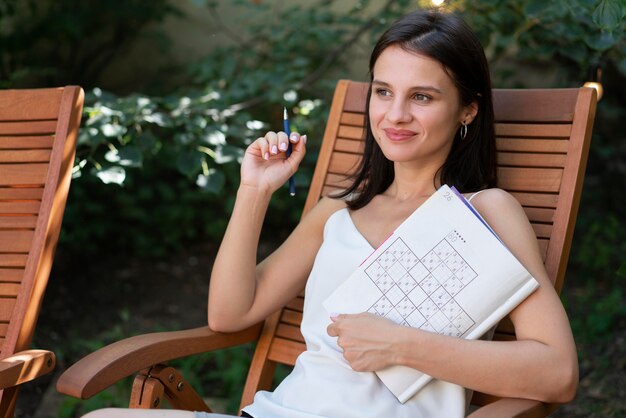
(175, 91)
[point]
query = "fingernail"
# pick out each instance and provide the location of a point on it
(334, 314)
(294, 138)
(266, 156)
(283, 146)
(274, 149)
(304, 139)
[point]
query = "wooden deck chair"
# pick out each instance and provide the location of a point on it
(38, 131)
(543, 141)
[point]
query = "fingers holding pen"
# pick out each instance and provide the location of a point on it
(275, 143)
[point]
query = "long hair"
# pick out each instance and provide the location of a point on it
(471, 163)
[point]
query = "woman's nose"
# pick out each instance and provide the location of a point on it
(398, 112)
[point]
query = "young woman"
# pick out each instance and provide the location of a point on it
(430, 123)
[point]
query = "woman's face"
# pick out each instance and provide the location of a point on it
(415, 109)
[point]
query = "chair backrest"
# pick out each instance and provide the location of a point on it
(543, 140)
(38, 131)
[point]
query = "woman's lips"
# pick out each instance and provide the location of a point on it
(399, 134)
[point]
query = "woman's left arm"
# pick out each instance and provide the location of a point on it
(541, 364)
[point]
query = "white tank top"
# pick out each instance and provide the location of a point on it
(322, 384)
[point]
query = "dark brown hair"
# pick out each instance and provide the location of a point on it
(471, 163)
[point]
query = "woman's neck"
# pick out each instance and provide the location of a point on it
(412, 183)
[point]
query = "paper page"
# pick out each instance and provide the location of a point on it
(441, 271)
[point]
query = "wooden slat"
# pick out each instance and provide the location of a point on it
(30, 104)
(10, 289)
(353, 119)
(3, 330)
(519, 159)
(15, 174)
(17, 222)
(542, 230)
(11, 275)
(291, 317)
(285, 351)
(6, 308)
(21, 193)
(532, 145)
(296, 304)
(533, 130)
(356, 97)
(542, 215)
(15, 241)
(514, 105)
(13, 260)
(351, 132)
(27, 207)
(530, 179)
(349, 145)
(289, 332)
(26, 142)
(342, 163)
(25, 156)
(337, 180)
(30, 128)
(546, 200)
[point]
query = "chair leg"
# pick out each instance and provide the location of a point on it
(152, 384)
(8, 399)
(147, 393)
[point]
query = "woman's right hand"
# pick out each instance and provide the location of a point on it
(265, 164)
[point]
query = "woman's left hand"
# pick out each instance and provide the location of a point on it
(366, 340)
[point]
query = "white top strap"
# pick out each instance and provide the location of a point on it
(474, 194)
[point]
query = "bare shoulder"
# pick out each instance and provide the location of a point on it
(497, 205)
(323, 209)
(506, 216)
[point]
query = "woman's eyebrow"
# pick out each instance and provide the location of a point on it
(420, 88)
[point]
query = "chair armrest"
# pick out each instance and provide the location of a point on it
(25, 366)
(514, 408)
(104, 367)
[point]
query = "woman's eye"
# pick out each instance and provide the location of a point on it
(383, 92)
(421, 97)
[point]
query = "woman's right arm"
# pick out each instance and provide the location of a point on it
(240, 292)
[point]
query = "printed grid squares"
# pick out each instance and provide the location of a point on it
(420, 293)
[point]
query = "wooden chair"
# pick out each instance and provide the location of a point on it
(543, 141)
(37, 145)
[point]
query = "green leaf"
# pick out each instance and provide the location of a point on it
(609, 14)
(112, 130)
(213, 182)
(130, 156)
(147, 141)
(227, 153)
(115, 175)
(189, 162)
(601, 41)
(621, 271)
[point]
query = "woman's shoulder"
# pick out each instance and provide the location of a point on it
(323, 210)
(493, 199)
(502, 211)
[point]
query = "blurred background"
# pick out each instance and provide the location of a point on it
(175, 90)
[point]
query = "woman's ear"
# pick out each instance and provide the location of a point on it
(469, 113)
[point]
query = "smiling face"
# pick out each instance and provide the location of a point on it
(415, 109)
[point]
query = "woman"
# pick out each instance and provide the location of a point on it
(430, 123)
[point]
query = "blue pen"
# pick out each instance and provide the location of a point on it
(292, 183)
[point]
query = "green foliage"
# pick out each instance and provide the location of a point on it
(570, 36)
(176, 156)
(51, 43)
